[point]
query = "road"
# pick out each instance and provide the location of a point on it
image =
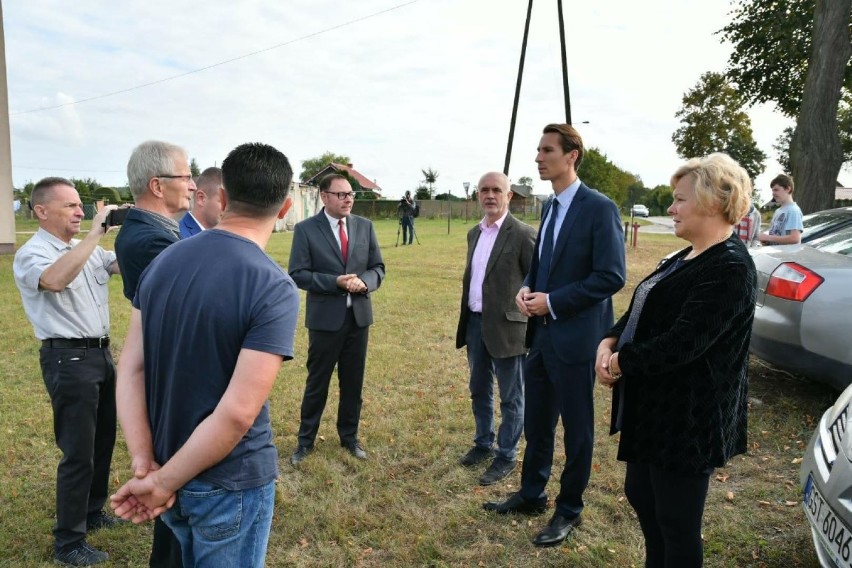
(659, 225)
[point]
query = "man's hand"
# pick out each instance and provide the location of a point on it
(343, 281)
(519, 300)
(100, 219)
(141, 500)
(356, 286)
(143, 465)
(536, 303)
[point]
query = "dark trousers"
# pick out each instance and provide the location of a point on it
(346, 348)
(670, 506)
(81, 385)
(553, 389)
(165, 552)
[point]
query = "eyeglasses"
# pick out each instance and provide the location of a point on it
(341, 195)
(184, 178)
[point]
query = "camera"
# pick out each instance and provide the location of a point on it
(115, 217)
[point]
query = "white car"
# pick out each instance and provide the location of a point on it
(639, 210)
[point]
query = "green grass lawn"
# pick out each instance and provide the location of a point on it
(411, 504)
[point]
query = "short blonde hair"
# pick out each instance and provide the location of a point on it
(721, 185)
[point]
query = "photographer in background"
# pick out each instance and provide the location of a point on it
(407, 210)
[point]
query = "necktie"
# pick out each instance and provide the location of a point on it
(344, 241)
(546, 250)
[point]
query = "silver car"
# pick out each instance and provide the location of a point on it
(802, 322)
(826, 477)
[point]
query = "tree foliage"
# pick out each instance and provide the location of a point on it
(430, 177)
(599, 172)
(422, 192)
(713, 120)
(525, 180)
(194, 169)
(816, 152)
(313, 166)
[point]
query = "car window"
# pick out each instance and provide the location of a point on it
(821, 220)
(839, 242)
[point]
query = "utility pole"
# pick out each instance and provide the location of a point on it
(7, 215)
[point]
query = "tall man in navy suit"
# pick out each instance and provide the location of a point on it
(578, 265)
(206, 204)
(335, 257)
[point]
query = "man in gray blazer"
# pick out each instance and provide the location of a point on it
(335, 257)
(499, 254)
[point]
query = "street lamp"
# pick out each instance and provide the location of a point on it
(466, 185)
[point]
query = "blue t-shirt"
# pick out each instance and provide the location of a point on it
(787, 218)
(203, 300)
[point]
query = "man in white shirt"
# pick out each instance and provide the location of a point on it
(64, 289)
(786, 226)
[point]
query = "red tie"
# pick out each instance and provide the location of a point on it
(344, 242)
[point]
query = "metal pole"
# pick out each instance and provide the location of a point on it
(564, 65)
(517, 91)
(449, 210)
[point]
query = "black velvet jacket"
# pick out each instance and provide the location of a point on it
(685, 372)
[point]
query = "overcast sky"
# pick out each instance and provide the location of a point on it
(427, 83)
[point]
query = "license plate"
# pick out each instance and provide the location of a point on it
(835, 536)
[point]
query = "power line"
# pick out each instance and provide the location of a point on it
(17, 167)
(225, 62)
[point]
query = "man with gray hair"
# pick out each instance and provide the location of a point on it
(161, 184)
(206, 204)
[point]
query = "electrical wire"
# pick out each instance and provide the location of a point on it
(220, 63)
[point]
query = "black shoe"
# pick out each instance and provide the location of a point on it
(517, 504)
(102, 520)
(356, 449)
(476, 455)
(79, 553)
(300, 454)
(498, 469)
(556, 530)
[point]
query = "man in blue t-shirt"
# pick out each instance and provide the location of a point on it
(786, 227)
(205, 417)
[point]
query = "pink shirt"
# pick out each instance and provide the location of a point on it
(481, 254)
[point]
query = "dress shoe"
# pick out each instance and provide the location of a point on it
(556, 530)
(517, 504)
(356, 449)
(498, 469)
(300, 454)
(476, 455)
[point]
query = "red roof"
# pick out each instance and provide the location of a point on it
(365, 182)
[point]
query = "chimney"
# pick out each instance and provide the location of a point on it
(350, 166)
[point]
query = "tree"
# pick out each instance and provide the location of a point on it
(600, 173)
(525, 180)
(781, 46)
(782, 147)
(194, 169)
(430, 177)
(713, 120)
(422, 192)
(816, 153)
(313, 166)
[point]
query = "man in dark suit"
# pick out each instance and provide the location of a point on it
(579, 264)
(335, 257)
(206, 204)
(499, 252)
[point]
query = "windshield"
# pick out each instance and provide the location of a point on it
(839, 242)
(821, 220)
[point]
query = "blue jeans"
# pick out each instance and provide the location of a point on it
(407, 230)
(510, 380)
(218, 528)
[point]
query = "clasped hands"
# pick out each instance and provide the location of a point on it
(606, 363)
(351, 283)
(142, 498)
(532, 303)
